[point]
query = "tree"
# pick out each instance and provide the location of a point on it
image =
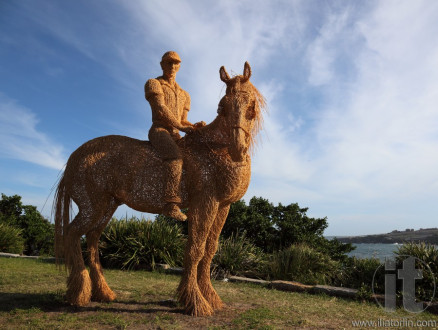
(274, 228)
(255, 220)
(10, 209)
(37, 232)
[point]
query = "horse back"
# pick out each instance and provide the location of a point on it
(127, 169)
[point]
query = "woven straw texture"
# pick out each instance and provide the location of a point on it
(108, 171)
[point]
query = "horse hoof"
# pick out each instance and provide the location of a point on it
(213, 299)
(79, 300)
(205, 310)
(79, 289)
(217, 304)
(106, 296)
(196, 305)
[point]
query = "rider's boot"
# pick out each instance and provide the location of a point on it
(171, 190)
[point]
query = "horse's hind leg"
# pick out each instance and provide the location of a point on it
(204, 281)
(100, 289)
(78, 283)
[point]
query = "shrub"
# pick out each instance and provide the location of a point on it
(140, 244)
(10, 239)
(237, 255)
(428, 254)
(358, 274)
(184, 225)
(303, 264)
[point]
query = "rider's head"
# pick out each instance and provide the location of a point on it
(170, 63)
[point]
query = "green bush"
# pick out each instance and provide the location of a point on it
(358, 274)
(303, 264)
(427, 253)
(140, 244)
(10, 239)
(237, 255)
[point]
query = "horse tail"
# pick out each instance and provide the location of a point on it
(62, 218)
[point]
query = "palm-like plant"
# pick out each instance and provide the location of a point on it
(10, 239)
(140, 244)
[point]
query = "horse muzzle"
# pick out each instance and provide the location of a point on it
(239, 146)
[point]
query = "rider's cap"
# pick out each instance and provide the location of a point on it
(171, 56)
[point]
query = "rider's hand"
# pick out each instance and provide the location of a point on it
(187, 129)
(199, 124)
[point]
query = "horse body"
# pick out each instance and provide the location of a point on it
(112, 170)
(119, 168)
(132, 172)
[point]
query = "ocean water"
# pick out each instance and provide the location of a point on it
(379, 251)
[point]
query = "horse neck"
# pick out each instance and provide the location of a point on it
(215, 134)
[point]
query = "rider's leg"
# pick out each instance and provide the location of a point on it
(170, 153)
(172, 189)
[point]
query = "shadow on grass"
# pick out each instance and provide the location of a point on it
(117, 309)
(53, 302)
(43, 301)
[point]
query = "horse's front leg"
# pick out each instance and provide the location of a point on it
(204, 281)
(201, 215)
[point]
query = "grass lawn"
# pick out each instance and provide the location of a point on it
(32, 296)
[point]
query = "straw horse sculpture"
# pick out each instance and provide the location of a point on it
(112, 170)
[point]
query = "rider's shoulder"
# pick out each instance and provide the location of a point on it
(186, 94)
(153, 86)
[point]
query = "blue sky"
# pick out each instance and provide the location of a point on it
(352, 129)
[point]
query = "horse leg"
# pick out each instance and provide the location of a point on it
(204, 281)
(78, 282)
(100, 289)
(200, 216)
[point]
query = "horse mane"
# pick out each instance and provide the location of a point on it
(260, 107)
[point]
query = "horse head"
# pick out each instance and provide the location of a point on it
(241, 107)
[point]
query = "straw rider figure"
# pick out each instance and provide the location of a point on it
(170, 105)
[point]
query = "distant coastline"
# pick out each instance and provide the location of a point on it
(428, 235)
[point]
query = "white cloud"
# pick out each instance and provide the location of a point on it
(366, 131)
(384, 136)
(20, 138)
(279, 155)
(208, 35)
(370, 153)
(324, 51)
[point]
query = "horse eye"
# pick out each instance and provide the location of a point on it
(251, 111)
(223, 103)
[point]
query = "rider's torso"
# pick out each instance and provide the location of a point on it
(174, 97)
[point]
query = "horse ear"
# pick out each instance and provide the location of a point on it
(246, 71)
(223, 74)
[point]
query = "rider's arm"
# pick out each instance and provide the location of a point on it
(155, 96)
(186, 110)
